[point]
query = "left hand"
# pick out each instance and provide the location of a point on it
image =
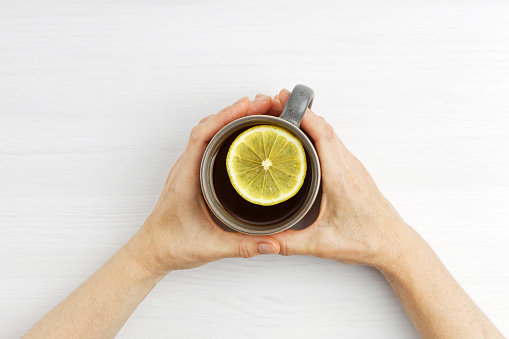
(180, 232)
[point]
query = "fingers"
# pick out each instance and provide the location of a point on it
(316, 127)
(203, 133)
(284, 94)
(235, 245)
(209, 126)
(313, 124)
(277, 105)
(301, 242)
(327, 143)
(276, 108)
(206, 118)
(260, 105)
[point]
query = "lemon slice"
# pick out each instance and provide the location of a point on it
(266, 165)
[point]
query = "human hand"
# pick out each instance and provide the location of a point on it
(180, 233)
(356, 224)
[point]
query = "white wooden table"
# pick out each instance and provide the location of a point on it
(97, 99)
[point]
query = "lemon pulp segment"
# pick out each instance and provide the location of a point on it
(266, 165)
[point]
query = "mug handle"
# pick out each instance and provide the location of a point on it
(300, 99)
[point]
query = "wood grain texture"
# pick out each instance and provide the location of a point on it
(97, 99)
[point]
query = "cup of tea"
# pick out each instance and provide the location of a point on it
(228, 205)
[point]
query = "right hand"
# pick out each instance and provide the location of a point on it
(356, 224)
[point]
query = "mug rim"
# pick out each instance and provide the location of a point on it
(209, 193)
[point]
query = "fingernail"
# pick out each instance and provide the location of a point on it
(259, 95)
(240, 100)
(265, 248)
(263, 98)
(287, 91)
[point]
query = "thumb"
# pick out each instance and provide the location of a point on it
(234, 245)
(301, 242)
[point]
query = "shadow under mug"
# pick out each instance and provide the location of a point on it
(228, 206)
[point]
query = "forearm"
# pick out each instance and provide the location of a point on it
(102, 304)
(434, 301)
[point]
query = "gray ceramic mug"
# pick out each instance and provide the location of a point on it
(229, 207)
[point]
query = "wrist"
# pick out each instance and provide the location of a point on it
(143, 255)
(406, 248)
(135, 270)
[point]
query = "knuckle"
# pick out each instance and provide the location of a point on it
(205, 119)
(325, 223)
(284, 249)
(328, 132)
(195, 135)
(243, 250)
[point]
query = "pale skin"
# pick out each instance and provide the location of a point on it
(356, 225)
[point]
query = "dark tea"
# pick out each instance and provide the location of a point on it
(242, 209)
